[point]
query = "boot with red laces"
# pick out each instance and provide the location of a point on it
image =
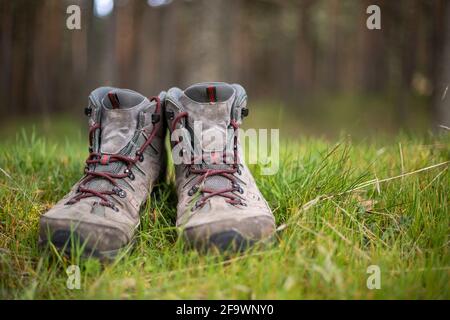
(219, 204)
(101, 211)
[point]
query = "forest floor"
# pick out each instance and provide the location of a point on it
(340, 208)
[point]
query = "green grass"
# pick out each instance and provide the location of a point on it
(332, 226)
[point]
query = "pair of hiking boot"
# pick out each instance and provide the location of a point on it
(219, 204)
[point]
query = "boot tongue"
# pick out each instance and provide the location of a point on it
(119, 118)
(209, 106)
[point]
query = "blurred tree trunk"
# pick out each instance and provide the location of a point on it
(304, 63)
(238, 26)
(24, 17)
(101, 54)
(148, 56)
(208, 49)
(47, 92)
(6, 54)
(127, 18)
(332, 52)
(78, 55)
(408, 35)
(441, 65)
(169, 50)
(374, 56)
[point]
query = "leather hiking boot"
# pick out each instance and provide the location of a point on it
(101, 212)
(219, 204)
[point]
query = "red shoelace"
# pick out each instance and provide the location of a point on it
(95, 158)
(208, 193)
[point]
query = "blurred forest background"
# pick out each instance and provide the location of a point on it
(309, 66)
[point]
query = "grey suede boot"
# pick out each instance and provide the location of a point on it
(219, 204)
(101, 212)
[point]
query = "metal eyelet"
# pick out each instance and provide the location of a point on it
(193, 190)
(155, 118)
(140, 155)
(88, 111)
(129, 173)
(238, 188)
(170, 115)
(120, 192)
(244, 112)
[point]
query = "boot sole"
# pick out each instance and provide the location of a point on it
(66, 241)
(229, 239)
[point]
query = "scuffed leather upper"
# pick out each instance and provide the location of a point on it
(216, 116)
(122, 131)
